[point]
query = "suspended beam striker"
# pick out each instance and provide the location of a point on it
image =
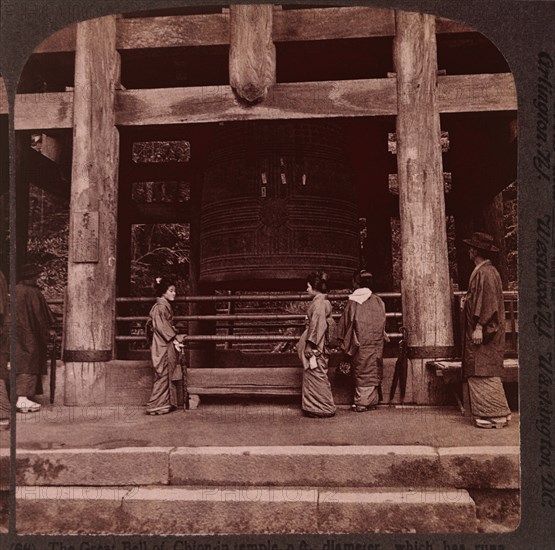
(425, 268)
(252, 54)
(90, 316)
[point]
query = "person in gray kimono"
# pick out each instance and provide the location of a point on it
(484, 336)
(313, 350)
(361, 332)
(166, 343)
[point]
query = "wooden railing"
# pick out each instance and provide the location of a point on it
(254, 322)
(259, 321)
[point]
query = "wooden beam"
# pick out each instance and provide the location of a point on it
(426, 306)
(3, 98)
(213, 29)
(345, 98)
(444, 26)
(476, 93)
(284, 101)
(252, 54)
(43, 111)
(333, 23)
(173, 31)
(91, 289)
(211, 379)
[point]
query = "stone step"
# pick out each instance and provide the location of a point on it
(238, 510)
(484, 467)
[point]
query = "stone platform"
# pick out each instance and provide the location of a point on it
(244, 467)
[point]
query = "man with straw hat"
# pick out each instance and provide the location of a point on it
(484, 336)
(34, 320)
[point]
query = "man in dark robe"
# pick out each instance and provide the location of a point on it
(4, 352)
(34, 320)
(484, 336)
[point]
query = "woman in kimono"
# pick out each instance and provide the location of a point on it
(317, 398)
(362, 333)
(165, 344)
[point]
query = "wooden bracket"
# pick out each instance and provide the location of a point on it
(392, 142)
(394, 183)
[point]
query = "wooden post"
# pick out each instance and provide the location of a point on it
(378, 251)
(489, 219)
(22, 146)
(480, 173)
(4, 225)
(252, 54)
(193, 327)
(426, 301)
(202, 353)
(124, 240)
(4, 189)
(90, 321)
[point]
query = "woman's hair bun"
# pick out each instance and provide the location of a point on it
(319, 281)
(162, 284)
(363, 278)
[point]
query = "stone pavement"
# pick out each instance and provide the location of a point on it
(245, 424)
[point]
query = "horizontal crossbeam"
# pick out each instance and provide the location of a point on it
(343, 98)
(213, 29)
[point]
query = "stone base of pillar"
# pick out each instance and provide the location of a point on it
(85, 384)
(427, 389)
